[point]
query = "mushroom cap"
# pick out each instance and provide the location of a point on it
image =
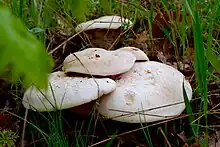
(99, 62)
(66, 92)
(104, 22)
(138, 53)
(143, 93)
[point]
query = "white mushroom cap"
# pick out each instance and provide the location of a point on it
(99, 62)
(66, 92)
(105, 22)
(138, 53)
(147, 86)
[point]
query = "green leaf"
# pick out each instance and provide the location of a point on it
(106, 5)
(213, 59)
(187, 5)
(77, 8)
(22, 51)
(49, 11)
(189, 112)
(200, 61)
(200, 65)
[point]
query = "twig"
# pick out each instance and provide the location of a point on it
(24, 126)
(165, 137)
(70, 38)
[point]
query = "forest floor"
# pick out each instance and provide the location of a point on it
(68, 128)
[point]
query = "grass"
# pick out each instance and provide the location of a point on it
(190, 21)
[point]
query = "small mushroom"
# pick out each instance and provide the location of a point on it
(150, 91)
(66, 92)
(102, 32)
(104, 22)
(138, 53)
(100, 62)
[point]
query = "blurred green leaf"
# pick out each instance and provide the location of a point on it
(200, 65)
(51, 7)
(77, 8)
(26, 56)
(106, 5)
(187, 5)
(200, 61)
(213, 59)
(189, 112)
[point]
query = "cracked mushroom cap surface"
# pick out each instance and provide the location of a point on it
(104, 22)
(100, 62)
(150, 91)
(66, 92)
(138, 53)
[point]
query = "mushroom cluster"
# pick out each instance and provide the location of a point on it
(131, 88)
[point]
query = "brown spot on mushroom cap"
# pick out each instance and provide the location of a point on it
(97, 55)
(135, 49)
(129, 97)
(147, 71)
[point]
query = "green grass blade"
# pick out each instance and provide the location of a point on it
(189, 112)
(187, 6)
(200, 64)
(213, 58)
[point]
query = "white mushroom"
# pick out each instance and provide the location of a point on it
(66, 92)
(103, 32)
(99, 62)
(139, 54)
(150, 91)
(105, 22)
